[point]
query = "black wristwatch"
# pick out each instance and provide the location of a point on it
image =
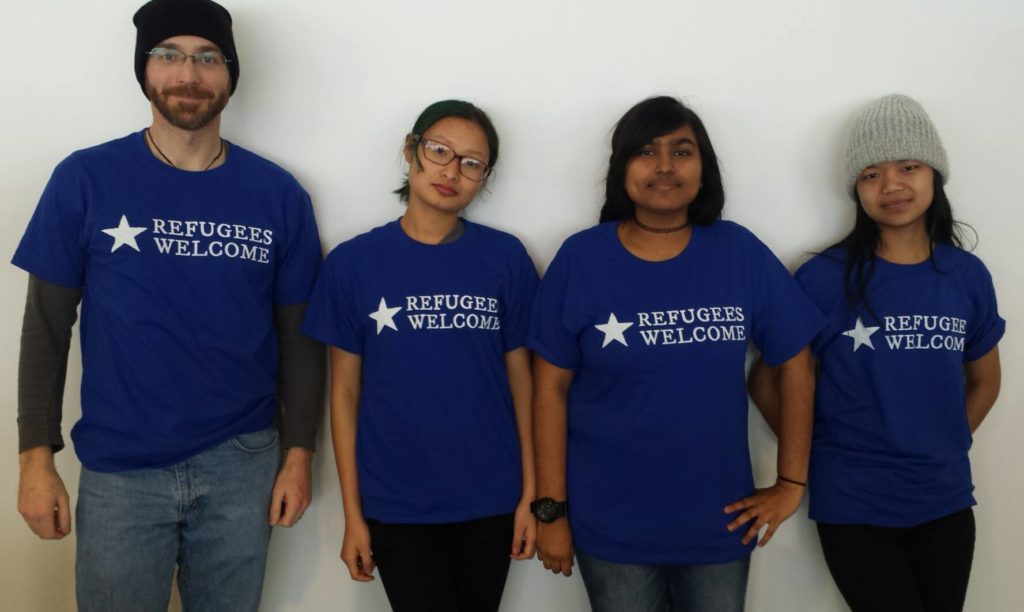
(548, 510)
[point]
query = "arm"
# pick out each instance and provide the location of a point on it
(983, 381)
(773, 505)
(301, 399)
(50, 313)
(524, 536)
(346, 382)
(550, 393)
(763, 386)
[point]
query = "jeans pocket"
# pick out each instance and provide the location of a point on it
(257, 441)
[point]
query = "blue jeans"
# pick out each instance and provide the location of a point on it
(207, 514)
(618, 587)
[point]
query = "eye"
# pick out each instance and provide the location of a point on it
(436, 147)
(683, 153)
(168, 56)
(910, 168)
(645, 152)
(208, 58)
(473, 164)
(868, 176)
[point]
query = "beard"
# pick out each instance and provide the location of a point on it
(188, 116)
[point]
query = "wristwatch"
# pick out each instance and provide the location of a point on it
(548, 510)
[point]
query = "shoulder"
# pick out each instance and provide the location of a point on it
(954, 259)
(828, 263)
(362, 245)
(108, 154)
(260, 169)
(590, 239)
(495, 238)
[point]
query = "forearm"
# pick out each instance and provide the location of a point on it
(550, 428)
(983, 380)
(796, 416)
(517, 364)
(346, 375)
(50, 313)
(763, 386)
(302, 375)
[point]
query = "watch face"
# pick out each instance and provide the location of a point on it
(546, 509)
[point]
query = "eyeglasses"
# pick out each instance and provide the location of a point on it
(173, 57)
(473, 169)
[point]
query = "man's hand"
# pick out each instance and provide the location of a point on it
(42, 499)
(293, 489)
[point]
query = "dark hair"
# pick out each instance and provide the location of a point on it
(640, 125)
(862, 242)
(442, 110)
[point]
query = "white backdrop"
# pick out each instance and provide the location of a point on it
(328, 90)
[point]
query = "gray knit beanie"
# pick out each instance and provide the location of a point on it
(891, 129)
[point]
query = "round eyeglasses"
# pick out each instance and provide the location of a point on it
(471, 168)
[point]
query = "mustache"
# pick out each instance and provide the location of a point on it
(189, 91)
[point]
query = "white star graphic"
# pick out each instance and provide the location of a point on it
(124, 234)
(384, 316)
(861, 335)
(613, 330)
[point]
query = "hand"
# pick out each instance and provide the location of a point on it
(355, 550)
(524, 535)
(42, 499)
(554, 546)
(769, 506)
(293, 488)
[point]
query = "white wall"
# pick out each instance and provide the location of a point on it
(328, 90)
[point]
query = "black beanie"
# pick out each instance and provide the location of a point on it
(159, 20)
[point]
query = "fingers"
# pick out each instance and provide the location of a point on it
(742, 504)
(752, 532)
(276, 505)
(524, 540)
(558, 564)
(63, 514)
(360, 565)
(772, 527)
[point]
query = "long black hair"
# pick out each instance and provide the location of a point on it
(640, 125)
(861, 243)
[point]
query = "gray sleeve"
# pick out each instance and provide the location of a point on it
(50, 313)
(303, 373)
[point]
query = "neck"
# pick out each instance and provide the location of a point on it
(654, 246)
(427, 225)
(908, 245)
(186, 149)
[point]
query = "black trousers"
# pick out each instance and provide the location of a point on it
(924, 568)
(450, 567)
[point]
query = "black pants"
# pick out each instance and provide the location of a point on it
(913, 569)
(451, 567)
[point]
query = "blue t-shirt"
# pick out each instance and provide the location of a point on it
(658, 404)
(436, 439)
(890, 431)
(180, 272)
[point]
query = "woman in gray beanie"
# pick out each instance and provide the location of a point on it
(909, 367)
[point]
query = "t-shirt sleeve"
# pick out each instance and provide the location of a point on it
(522, 289)
(822, 282)
(54, 246)
(551, 336)
(784, 320)
(986, 328)
(331, 316)
(300, 256)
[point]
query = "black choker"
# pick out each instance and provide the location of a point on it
(660, 230)
(171, 164)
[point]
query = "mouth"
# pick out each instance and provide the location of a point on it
(897, 204)
(444, 190)
(664, 185)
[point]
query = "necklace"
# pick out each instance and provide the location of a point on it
(171, 164)
(660, 230)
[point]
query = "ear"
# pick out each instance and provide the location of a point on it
(407, 150)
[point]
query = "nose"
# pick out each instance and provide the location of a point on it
(664, 161)
(450, 170)
(188, 71)
(892, 180)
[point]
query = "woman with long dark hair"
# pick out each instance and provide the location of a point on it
(427, 317)
(641, 329)
(909, 367)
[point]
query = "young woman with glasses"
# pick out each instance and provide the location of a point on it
(909, 367)
(427, 319)
(641, 329)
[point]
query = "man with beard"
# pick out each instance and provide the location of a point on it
(193, 259)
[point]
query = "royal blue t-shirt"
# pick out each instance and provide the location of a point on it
(436, 439)
(180, 272)
(890, 431)
(658, 406)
